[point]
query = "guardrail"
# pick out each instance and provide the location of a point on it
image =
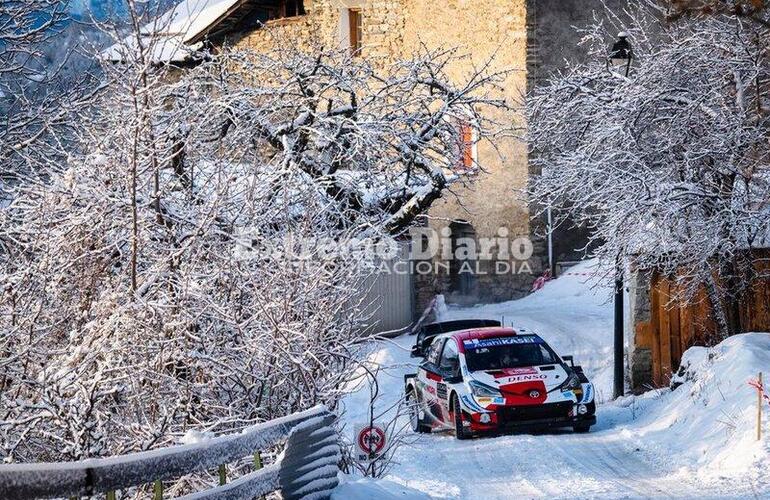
(308, 467)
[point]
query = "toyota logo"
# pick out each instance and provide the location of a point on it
(534, 394)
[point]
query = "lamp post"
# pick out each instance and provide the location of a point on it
(620, 55)
(619, 378)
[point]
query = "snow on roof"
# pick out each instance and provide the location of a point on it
(178, 31)
(192, 17)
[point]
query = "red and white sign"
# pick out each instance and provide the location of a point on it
(370, 442)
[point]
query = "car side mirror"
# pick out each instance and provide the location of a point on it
(571, 360)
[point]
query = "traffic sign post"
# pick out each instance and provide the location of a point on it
(370, 441)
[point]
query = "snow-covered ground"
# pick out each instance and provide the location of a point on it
(697, 441)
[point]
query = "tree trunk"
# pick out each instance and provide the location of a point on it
(717, 308)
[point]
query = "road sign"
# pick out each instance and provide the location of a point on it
(370, 442)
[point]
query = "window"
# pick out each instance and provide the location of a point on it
(466, 146)
(355, 24)
(293, 8)
(450, 358)
(434, 352)
(501, 354)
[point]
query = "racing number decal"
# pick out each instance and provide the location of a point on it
(441, 391)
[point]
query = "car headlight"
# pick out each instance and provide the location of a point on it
(482, 390)
(572, 383)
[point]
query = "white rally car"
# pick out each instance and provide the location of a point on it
(497, 379)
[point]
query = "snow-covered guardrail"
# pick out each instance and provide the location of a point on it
(308, 466)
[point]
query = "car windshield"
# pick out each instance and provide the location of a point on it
(507, 352)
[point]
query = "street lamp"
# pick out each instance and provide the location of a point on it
(621, 53)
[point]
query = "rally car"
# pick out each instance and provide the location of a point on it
(497, 379)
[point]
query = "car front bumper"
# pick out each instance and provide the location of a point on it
(545, 416)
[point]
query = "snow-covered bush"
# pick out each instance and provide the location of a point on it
(669, 164)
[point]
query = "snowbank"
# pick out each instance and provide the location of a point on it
(707, 425)
(370, 489)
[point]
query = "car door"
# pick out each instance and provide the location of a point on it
(429, 378)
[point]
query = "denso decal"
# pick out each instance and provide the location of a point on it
(510, 372)
(525, 378)
(479, 343)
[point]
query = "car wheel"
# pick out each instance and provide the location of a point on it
(413, 405)
(457, 416)
(581, 428)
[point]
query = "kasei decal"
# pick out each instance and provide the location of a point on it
(494, 342)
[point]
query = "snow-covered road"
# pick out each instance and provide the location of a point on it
(634, 451)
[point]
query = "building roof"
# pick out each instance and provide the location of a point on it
(182, 29)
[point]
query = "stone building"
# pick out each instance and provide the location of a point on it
(511, 33)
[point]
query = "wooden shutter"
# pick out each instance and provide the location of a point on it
(355, 23)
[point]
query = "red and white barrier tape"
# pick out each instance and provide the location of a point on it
(541, 281)
(756, 384)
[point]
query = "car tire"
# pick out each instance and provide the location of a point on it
(413, 405)
(581, 428)
(457, 416)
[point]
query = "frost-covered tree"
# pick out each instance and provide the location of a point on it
(386, 143)
(37, 101)
(138, 304)
(669, 165)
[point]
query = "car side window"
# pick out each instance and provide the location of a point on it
(546, 355)
(434, 352)
(450, 358)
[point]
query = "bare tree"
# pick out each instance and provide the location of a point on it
(383, 143)
(669, 164)
(38, 103)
